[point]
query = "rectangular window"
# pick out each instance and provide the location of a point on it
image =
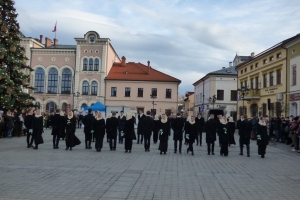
(252, 83)
(233, 96)
(271, 78)
(251, 67)
(265, 80)
(168, 93)
(245, 70)
(256, 64)
(113, 91)
(294, 76)
(256, 82)
(241, 71)
(220, 94)
(265, 61)
(279, 55)
(278, 76)
(246, 84)
(154, 92)
(127, 92)
(140, 92)
(271, 58)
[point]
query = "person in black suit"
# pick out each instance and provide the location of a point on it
(156, 128)
(245, 132)
(99, 131)
(141, 116)
(70, 124)
(129, 133)
(200, 125)
(191, 128)
(28, 125)
(112, 131)
(164, 133)
(121, 124)
(262, 137)
(56, 123)
(178, 126)
(147, 125)
(211, 129)
(37, 129)
(88, 125)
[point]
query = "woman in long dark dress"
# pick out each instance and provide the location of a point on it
(231, 131)
(164, 133)
(224, 135)
(186, 132)
(37, 128)
(156, 129)
(62, 125)
(129, 133)
(191, 129)
(245, 132)
(262, 137)
(71, 139)
(99, 131)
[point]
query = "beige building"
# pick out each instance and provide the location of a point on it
(141, 87)
(69, 76)
(189, 103)
(265, 76)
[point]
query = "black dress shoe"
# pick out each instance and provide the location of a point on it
(28, 146)
(145, 150)
(35, 148)
(129, 151)
(90, 148)
(208, 153)
(126, 151)
(174, 151)
(240, 154)
(70, 149)
(160, 153)
(179, 151)
(192, 153)
(67, 148)
(164, 152)
(54, 147)
(212, 153)
(57, 147)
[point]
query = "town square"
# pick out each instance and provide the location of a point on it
(149, 99)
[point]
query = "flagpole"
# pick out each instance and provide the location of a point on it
(55, 28)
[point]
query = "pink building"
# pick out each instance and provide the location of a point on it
(69, 76)
(134, 85)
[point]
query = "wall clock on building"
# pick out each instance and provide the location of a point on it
(92, 38)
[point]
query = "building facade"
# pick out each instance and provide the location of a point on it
(140, 87)
(293, 78)
(189, 103)
(69, 76)
(222, 84)
(265, 76)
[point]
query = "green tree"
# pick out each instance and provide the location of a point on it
(14, 73)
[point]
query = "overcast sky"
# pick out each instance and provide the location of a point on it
(183, 38)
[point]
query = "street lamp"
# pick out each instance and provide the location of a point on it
(77, 94)
(243, 91)
(153, 97)
(212, 100)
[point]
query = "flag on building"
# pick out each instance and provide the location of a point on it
(54, 30)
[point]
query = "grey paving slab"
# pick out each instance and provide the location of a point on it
(86, 174)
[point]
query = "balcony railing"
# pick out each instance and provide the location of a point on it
(253, 94)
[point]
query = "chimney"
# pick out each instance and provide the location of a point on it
(55, 41)
(48, 42)
(148, 67)
(41, 39)
(252, 55)
(123, 63)
(230, 64)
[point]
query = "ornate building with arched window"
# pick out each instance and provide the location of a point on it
(69, 76)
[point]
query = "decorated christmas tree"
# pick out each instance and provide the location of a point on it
(14, 73)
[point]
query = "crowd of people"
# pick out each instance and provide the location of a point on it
(122, 127)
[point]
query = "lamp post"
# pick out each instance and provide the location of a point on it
(243, 91)
(153, 97)
(212, 100)
(77, 94)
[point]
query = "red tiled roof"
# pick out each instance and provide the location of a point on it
(137, 72)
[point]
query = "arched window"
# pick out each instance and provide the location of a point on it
(85, 88)
(96, 66)
(91, 64)
(52, 81)
(66, 81)
(39, 80)
(94, 88)
(51, 107)
(85, 62)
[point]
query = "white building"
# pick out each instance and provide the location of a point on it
(222, 84)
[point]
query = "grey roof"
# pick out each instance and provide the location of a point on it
(245, 58)
(60, 46)
(227, 71)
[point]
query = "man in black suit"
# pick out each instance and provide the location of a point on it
(88, 128)
(177, 127)
(200, 125)
(28, 125)
(141, 116)
(147, 125)
(211, 129)
(56, 123)
(112, 131)
(121, 125)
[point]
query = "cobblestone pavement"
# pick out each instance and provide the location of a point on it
(86, 174)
